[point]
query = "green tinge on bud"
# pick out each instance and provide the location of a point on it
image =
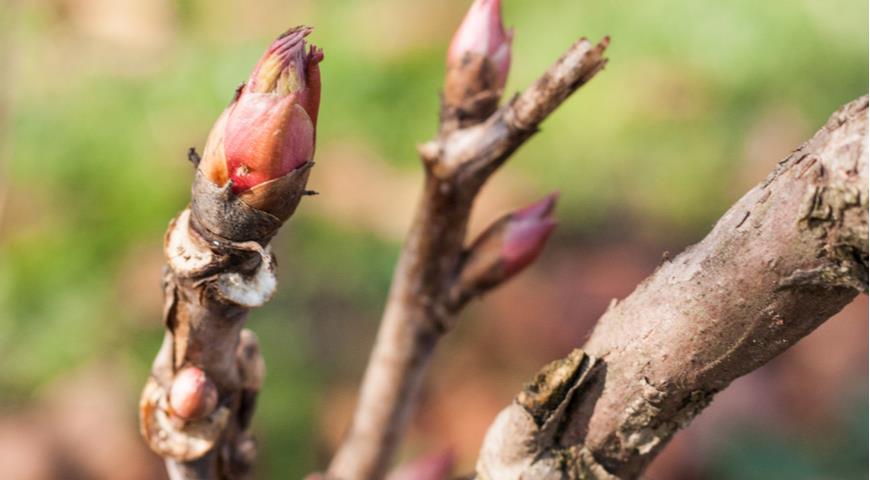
(269, 129)
(282, 68)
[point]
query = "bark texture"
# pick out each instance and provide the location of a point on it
(218, 267)
(786, 257)
(422, 303)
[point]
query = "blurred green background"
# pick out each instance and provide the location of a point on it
(100, 99)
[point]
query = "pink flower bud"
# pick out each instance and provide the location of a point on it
(435, 466)
(482, 33)
(192, 395)
(502, 250)
(269, 129)
(527, 232)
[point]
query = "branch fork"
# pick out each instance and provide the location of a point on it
(437, 272)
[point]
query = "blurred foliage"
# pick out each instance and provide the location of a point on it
(97, 130)
(752, 454)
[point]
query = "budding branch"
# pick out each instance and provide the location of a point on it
(197, 405)
(419, 310)
(788, 255)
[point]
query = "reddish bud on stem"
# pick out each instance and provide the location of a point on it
(192, 395)
(526, 234)
(505, 248)
(482, 33)
(435, 466)
(269, 129)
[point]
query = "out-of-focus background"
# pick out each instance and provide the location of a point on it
(100, 99)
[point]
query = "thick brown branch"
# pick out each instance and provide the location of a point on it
(208, 291)
(420, 307)
(787, 256)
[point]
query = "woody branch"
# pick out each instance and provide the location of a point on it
(437, 272)
(786, 257)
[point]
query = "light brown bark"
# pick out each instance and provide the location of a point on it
(786, 257)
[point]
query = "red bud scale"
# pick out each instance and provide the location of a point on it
(269, 129)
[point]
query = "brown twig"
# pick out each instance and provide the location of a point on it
(197, 405)
(422, 302)
(787, 256)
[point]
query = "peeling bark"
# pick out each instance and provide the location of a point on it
(787, 256)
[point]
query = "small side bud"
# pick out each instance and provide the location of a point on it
(478, 62)
(213, 163)
(504, 249)
(435, 466)
(192, 395)
(527, 232)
